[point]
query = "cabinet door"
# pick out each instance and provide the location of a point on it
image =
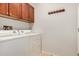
(15, 47)
(35, 45)
(25, 11)
(15, 10)
(31, 13)
(4, 8)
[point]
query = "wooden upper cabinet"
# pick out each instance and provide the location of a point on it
(25, 11)
(4, 8)
(31, 13)
(15, 10)
(22, 11)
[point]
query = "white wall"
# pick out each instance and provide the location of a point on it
(16, 24)
(58, 30)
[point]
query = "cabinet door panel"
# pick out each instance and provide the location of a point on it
(15, 10)
(4, 8)
(31, 13)
(25, 11)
